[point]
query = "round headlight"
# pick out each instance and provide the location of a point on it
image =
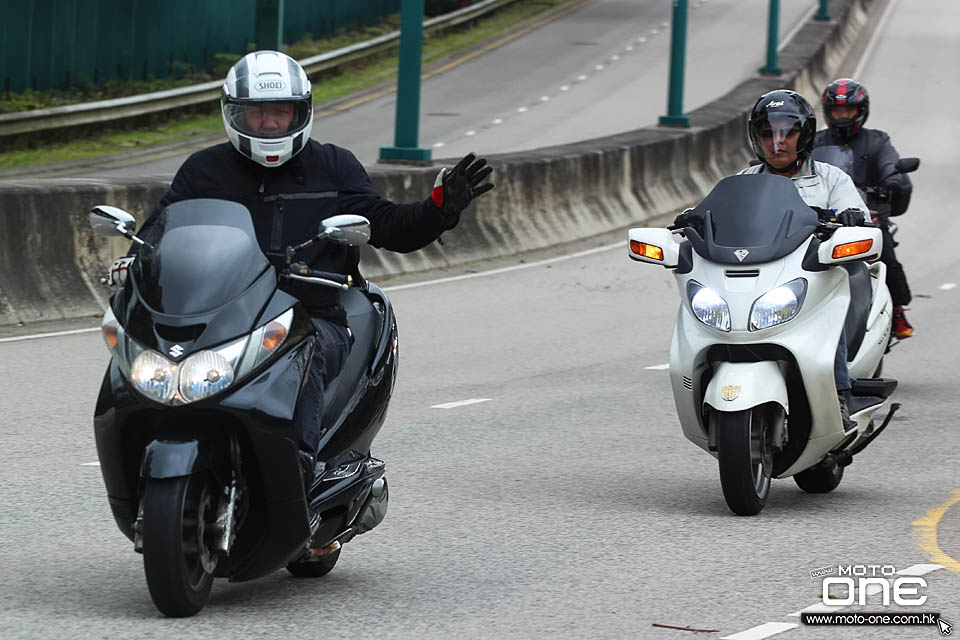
(708, 306)
(204, 374)
(154, 376)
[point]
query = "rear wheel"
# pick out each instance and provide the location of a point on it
(745, 454)
(179, 516)
(823, 480)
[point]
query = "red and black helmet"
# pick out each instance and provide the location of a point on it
(846, 91)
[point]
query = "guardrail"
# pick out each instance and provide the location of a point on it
(118, 109)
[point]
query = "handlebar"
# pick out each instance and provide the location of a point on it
(302, 273)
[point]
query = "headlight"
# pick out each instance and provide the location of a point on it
(154, 376)
(778, 305)
(708, 306)
(204, 374)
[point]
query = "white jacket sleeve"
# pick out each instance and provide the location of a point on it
(842, 193)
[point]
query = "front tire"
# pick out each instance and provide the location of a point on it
(178, 531)
(823, 480)
(745, 455)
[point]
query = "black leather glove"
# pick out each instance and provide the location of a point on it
(689, 218)
(851, 218)
(456, 188)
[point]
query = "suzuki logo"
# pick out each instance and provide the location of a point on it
(176, 351)
(741, 254)
(271, 85)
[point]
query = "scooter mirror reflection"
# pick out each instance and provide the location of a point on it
(347, 229)
(111, 221)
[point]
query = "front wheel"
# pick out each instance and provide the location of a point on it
(745, 454)
(179, 516)
(822, 480)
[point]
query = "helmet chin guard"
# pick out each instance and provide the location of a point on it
(267, 107)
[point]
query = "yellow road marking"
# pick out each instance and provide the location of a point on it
(454, 63)
(926, 532)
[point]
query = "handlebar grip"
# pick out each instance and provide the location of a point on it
(303, 270)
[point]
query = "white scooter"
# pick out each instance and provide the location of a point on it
(765, 292)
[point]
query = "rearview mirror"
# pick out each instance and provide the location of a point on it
(653, 245)
(907, 165)
(111, 221)
(347, 229)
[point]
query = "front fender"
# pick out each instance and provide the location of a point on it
(736, 386)
(172, 459)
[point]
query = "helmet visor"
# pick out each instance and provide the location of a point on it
(267, 119)
(779, 134)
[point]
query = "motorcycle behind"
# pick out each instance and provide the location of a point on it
(766, 289)
(193, 422)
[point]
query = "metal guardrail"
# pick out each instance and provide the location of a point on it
(89, 113)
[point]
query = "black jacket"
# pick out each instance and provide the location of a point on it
(287, 204)
(874, 159)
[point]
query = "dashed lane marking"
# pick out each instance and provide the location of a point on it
(49, 335)
(946, 286)
(460, 403)
(659, 367)
(90, 464)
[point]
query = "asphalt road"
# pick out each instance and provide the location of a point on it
(566, 505)
(602, 70)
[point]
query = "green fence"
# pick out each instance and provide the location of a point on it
(55, 44)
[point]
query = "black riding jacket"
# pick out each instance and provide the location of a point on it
(287, 204)
(874, 159)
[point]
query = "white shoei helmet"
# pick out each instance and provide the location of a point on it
(267, 107)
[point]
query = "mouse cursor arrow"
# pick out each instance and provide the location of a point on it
(945, 627)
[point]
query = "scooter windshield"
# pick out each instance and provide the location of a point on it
(751, 219)
(207, 255)
(840, 157)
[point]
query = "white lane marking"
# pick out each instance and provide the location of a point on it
(565, 87)
(461, 403)
(516, 267)
(764, 630)
(599, 67)
(874, 38)
(49, 335)
(946, 286)
(498, 121)
(641, 40)
(581, 77)
(919, 569)
(544, 98)
(614, 58)
(470, 133)
(654, 32)
(437, 145)
(629, 47)
(803, 21)
(521, 110)
(90, 464)
(664, 24)
(659, 367)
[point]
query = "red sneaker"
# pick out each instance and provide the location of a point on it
(901, 328)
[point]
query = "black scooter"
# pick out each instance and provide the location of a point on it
(193, 423)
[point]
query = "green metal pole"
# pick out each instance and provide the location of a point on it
(269, 24)
(773, 31)
(678, 47)
(822, 14)
(407, 125)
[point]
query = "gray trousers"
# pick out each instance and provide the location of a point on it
(331, 347)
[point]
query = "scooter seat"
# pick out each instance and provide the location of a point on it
(364, 322)
(861, 295)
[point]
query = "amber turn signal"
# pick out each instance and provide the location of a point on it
(646, 250)
(852, 249)
(273, 335)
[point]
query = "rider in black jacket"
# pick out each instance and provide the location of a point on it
(290, 183)
(846, 105)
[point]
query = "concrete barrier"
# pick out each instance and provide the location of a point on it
(50, 261)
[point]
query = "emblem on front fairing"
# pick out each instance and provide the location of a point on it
(176, 351)
(730, 392)
(741, 254)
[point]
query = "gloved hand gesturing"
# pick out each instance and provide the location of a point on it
(118, 271)
(456, 188)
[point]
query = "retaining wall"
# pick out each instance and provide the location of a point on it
(51, 262)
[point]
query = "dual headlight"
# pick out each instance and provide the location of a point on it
(776, 306)
(202, 374)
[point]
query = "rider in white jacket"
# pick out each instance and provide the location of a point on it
(822, 185)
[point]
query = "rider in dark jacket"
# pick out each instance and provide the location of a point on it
(846, 105)
(290, 183)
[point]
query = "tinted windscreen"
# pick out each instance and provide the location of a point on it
(207, 255)
(760, 212)
(840, 157)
